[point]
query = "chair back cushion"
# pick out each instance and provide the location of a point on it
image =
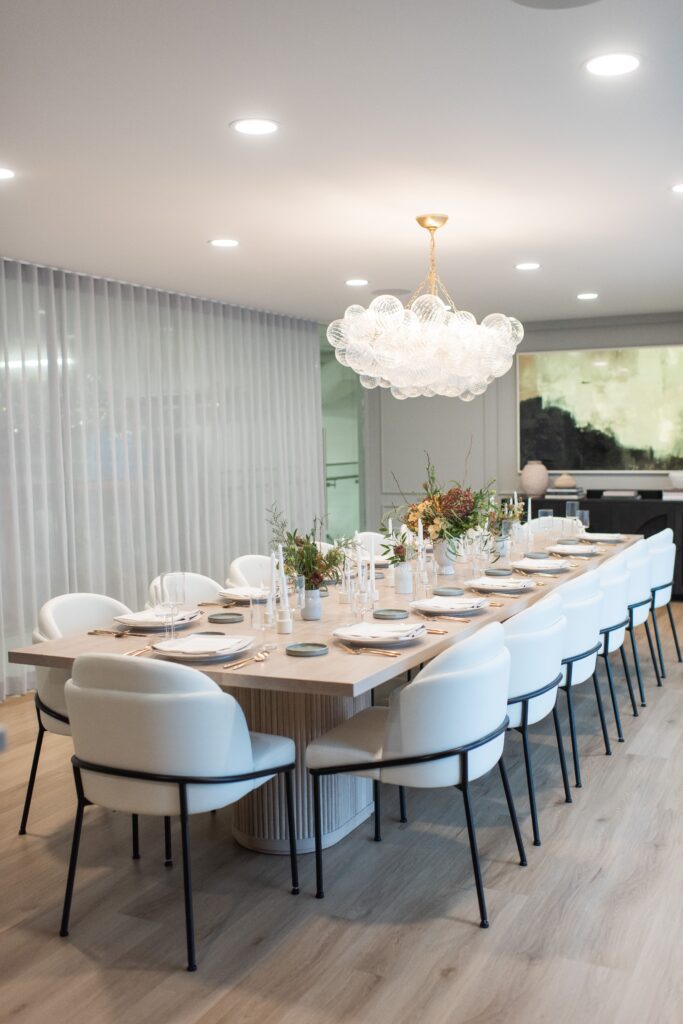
(249, 571)
(614, 583)
(76, 613)
(158, 717)
(638, 562)
(197, 588)
(460, 697)
(581, 605)
(534, 639)
(662, 561)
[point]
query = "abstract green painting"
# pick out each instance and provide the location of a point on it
(602, 409)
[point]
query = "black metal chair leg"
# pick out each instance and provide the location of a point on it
(636, 660)
(648, 634)
(168, 849)
(187, 878)
(136, 837)
(402, 804)
(317, 816)
(563, 760)
(673, 630)
(512, 812)
(613, 695)
(659, 642)
(572, 735)
(474, 850)
(376, 798)
(530, 784)
(291, 825)
(634, 703)
(601, 713)
(73, 860)
(32, 778)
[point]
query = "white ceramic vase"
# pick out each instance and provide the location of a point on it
(444, 558)
(534, 479)
(403, 578)
(313, 606)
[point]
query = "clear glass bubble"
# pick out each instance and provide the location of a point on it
(337, 333)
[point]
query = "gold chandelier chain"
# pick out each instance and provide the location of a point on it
(432, 283)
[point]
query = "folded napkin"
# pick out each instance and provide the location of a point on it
(197, 645)
(541, 564)
(381, 631)
(500, 583)
(449, 604)
(155, 617)
(574, 549)
(244, 593)
(609, 538)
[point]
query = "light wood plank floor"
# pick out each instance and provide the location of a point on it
(590, 931)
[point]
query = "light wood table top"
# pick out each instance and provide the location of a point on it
(338, 673)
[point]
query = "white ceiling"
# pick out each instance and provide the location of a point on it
(115, 117)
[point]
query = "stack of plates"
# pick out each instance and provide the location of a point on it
(375, 634)
(504, 584)
(152, 618)
(542, 565)
(449, 605)
(574, 549)
(243, 595)
(203, 648)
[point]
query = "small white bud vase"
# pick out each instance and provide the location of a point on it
(534, 479)
(403, 578)
(313, 606)
(443, 558)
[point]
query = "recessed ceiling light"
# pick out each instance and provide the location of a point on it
(224, 243)
(356, 282)
(610, 64)
(527, 266)
(5, 173)
(587, 296)
(677, 188)
(255, 126)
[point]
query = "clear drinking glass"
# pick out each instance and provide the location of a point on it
(570, 509)
(584, 517)
(172, 588)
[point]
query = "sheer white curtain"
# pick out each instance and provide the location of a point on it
(141, 431)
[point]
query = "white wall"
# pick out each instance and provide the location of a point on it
(397, 433)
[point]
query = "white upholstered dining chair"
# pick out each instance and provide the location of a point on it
(638, 562)
(581, 603)
(613, 577)
(662, 554)
(372, 542)
(446, 728)
(249, 571)
(157, 738)
(65, 615)
(534, 639)
(198, 588)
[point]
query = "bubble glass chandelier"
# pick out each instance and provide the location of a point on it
(429, 346)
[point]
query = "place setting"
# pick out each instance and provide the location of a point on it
(379, 637)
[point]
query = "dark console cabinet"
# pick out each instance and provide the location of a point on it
(628, 515)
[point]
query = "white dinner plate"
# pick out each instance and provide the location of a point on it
(504, 584)
(449, 605)
(150, 619)
(202, 648)
(548, 565)
(389, 634)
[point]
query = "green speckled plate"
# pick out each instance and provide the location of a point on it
(390, 613)
(306, 650)
(448, 591)
(498, 572)
(225, 618)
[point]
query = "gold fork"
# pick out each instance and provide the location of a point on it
(260, 656)
(370, 650)
(141, 650)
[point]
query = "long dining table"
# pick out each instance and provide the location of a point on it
(305, 697)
